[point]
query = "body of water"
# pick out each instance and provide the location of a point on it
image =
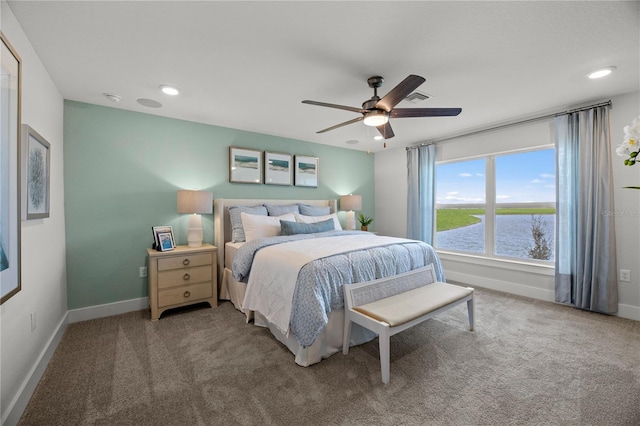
(513, 236)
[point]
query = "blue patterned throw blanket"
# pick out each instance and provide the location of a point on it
(296, 281)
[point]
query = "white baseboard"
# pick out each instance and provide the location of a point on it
(107, 310)
(628, 311)
(624, 311)
(19, 403)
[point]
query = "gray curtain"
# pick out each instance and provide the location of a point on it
(585, 238)
(421, 164)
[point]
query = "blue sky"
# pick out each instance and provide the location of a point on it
(520, 178)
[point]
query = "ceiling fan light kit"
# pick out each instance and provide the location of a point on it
(376, 112)
(376, 118)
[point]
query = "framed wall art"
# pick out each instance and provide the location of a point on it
(35, 174)
(306, 171)
(245, 165)
(10, 203)
(278, 169)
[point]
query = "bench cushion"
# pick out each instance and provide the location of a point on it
(404, 307)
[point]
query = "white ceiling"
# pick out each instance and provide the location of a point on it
(248, 65)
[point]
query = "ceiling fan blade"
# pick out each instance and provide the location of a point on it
(355, 120)
(424, 112)
(400, 92)
(386, 131)
(324, 104)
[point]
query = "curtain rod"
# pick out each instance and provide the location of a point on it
(501, 126)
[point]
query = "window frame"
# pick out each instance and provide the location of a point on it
(490, 205)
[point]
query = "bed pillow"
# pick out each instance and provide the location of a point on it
(237, 231)
(308, 210)
(293, 228)
(279, 210)
(259, 226)
(314, 219)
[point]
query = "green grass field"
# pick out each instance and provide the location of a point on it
(457, 218)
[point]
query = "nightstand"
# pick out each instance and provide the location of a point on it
(182, 276)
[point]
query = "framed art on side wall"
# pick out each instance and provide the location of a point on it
(35, 174)
(245, 165)
(306, 171)
(277, 168)
(10, 203)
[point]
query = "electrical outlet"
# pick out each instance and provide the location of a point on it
(625, 275)
(143, 271)
(33, 321)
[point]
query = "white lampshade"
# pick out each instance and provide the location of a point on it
(195, 203)
(350, 203)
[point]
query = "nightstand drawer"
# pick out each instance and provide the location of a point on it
(175, 296)
(188, 260)
(184, 276)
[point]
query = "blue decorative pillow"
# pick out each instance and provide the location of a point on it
(307, 210)
(237, 231)
(275, 210)
(293, 228)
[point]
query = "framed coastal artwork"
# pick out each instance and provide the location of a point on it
(278, 169)
(245, 165)
(306, 171)
(35, 174)
(10, 202)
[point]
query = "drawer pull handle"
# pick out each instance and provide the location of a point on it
(187, 293)
(186, 277)
(185, 262)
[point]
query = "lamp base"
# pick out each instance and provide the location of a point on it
(194, 231)
(351, 220)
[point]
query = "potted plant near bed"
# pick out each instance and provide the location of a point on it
(364, 221)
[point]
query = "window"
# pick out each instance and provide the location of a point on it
(499, 205)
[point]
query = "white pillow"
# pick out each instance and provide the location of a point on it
(313, 219)
(257, 226)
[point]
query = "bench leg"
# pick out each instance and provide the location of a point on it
(470, 308)
(383, 339)
(346, 338)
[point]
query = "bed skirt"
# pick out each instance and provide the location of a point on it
(327, 344)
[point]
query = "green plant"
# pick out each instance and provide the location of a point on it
(364, 220)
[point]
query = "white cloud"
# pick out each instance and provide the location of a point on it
(502, 197)
(547, 176)
(465, 174)
(536, 181)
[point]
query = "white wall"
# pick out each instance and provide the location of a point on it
(23, 352)
(532, 281)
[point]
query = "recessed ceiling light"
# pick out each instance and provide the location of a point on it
(113, 97)
(378, 137)
(149, 103)
(169, 90)
(352, 141)
(602, 72)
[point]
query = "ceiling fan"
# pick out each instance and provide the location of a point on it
(376, 112)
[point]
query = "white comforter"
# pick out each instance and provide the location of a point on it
(275, 270)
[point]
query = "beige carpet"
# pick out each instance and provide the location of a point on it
(527, 363)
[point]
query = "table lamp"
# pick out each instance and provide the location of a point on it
(350, 203)
(195, 203)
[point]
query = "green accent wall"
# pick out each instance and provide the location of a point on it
(121, 173)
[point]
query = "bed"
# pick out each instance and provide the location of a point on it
(293, 284)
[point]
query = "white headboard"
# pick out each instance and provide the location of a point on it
(222, 223)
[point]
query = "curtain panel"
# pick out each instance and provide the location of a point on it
(421, 166)
(585, 231)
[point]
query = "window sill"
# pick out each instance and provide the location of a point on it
(509, 264)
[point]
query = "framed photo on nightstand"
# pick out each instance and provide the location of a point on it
(157, 230)
(165, 241)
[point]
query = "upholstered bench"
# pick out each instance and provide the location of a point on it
(390, 305)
